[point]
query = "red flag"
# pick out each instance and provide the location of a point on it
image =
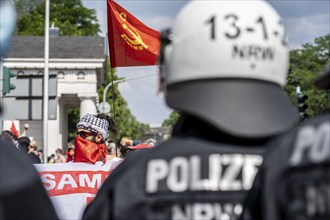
(131, 42)
(13, 129)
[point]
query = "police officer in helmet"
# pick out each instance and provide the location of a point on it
(223, 68)
(294, 181)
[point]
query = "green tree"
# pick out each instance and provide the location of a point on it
(24, 7)
(305, 65)
(174, 116)
(71, 17)
(127, 123)
(73, 118)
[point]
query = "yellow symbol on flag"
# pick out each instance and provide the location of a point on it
(136, 43)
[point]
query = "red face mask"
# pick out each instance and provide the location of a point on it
(88, 151)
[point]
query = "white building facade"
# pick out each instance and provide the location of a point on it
(75, 72)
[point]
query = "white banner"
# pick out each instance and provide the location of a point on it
(71, 186)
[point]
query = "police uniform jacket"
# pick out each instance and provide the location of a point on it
(22, 194)
(294, 180)
(200, 173)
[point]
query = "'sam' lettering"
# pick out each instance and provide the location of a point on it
(49, 181)
(68, 182)
(67, 179)
(96, 179)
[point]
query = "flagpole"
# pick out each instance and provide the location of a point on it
(110, 38)
(46, 77)
(113, 100)
(116, 15)
(112, 57)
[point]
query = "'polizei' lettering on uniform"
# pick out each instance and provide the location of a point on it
(185, 173)
(313, 142)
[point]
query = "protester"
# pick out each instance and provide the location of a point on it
(151, 142)
(113, 156)
(125, 142)
(40, 154)
(128, 145)
(9, 134)
(137, 145)
(224, 72)
(70, 152)
(22, 195)
(24, 132)
(111, 146)
(33, 146)
(51, 158)
(140, 146)
(59, 156)
(24, 145)
(112, 150)
(136, 142)
(92, 132)
(293, 182)
(6, 137)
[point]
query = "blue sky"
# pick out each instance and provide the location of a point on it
(304, 20)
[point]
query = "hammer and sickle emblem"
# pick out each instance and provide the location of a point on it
(137, 40)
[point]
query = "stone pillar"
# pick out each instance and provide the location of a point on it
(87, 104)
(54, 131)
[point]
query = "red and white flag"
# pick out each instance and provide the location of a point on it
(13, 129)
(131, 43)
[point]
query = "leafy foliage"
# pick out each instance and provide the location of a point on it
(24, 7)
(305, 65)
(73, 118)
(172, 119)
(126, 123)
(71, 17)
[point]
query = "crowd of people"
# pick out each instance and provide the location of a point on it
(25, 144)
(236, 151)
(28, 146)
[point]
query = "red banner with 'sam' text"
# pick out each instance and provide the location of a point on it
(71, 186)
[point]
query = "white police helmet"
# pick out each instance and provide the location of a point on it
(226, 62)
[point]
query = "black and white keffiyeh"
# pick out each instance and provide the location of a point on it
(91, 123)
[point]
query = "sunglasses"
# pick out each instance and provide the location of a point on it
(85, 134)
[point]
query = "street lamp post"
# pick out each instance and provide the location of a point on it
(120, 81)
(46, 78)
